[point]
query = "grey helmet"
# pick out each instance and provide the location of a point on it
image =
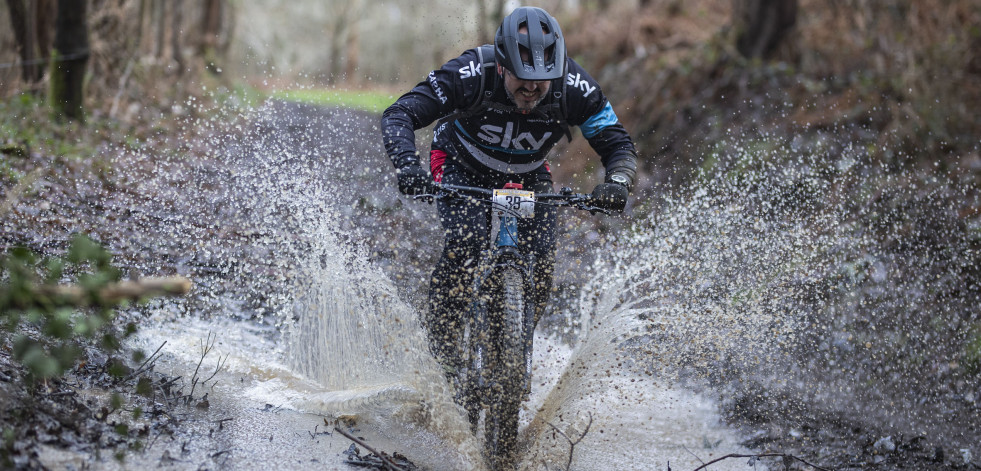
(543, 45)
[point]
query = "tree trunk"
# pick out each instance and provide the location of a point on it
(71, 53)
(30, 23)
(176, 18)
(482, 23)
(210, 26)
(19, 20)
(761, 25)
(496, 16)
(338, 39)
(488, 20)
(352, 54)
(159, 25)
(31, 71)
(47, 11)
(140, 15)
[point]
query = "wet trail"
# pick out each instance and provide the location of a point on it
(311, 270)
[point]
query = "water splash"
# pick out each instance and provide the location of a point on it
(719, 280)
(722, 275)
(348, 329)
(269, 223)
(716, 283)
(354, 336)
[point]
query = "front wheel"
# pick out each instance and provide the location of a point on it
(506, 315)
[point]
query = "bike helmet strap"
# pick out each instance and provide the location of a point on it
(541, 42)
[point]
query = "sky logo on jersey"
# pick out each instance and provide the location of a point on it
(506, 138)
(578, 82)
(470, 71)
(436, 88)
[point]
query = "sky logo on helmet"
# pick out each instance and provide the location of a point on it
(578, 82)
(471, 70)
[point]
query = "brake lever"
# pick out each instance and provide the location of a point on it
(595, 209)
(427, 198)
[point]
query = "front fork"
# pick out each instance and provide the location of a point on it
(505, 252)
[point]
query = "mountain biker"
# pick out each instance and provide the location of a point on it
(499, 115)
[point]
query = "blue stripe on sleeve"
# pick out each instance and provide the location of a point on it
(605, 117)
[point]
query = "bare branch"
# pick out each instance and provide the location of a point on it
(206, 347)
(388, 462)
(761, 455)
(114, 293)
(572, 444)
(693, 454)
(147, 364)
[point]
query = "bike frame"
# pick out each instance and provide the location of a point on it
(495, 295)
(504, 249)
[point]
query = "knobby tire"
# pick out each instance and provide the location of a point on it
(506, 313)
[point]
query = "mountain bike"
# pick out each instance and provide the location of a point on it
(500, 323)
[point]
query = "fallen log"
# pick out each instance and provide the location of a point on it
(111, 294)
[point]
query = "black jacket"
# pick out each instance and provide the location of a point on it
(499, 137)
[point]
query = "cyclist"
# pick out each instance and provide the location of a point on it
(501, 108)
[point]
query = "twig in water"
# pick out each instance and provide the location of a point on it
(389, 463)
(314, 434)
(218, 367)
(761, 455)
(60, 393)
(148, 363)
(693, 454)
(206, 348)
(572, 444)
(152, 441)
(22, 187)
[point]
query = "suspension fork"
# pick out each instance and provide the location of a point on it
(506, 243)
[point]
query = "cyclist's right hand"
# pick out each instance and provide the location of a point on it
(413, 180)
(610, 196)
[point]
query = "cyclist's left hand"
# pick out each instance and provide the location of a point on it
(610, 196)
(413, 180)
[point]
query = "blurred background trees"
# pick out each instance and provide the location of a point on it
(902, 76)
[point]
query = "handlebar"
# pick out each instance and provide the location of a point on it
(565, 197)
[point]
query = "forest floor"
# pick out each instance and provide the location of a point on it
(82, 196)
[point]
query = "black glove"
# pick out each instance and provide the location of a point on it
(610, 196)
(413, 180)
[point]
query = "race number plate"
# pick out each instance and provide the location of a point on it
(520, 203)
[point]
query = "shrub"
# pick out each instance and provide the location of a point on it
(48, 321)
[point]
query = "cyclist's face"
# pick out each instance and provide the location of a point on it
(526, 94)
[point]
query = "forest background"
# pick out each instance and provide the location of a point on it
(893, 84)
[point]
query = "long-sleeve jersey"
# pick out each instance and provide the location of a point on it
(500, 137)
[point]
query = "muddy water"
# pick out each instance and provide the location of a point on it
(354, 349)
(299, 215)
(277, 415)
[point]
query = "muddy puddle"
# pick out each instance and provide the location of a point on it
(261, 414)
(347, 347)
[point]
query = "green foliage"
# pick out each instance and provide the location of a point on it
(972, 350)
(47, 325)
(366, 100)
(144, 387)
(26, 127)
(7, 447)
